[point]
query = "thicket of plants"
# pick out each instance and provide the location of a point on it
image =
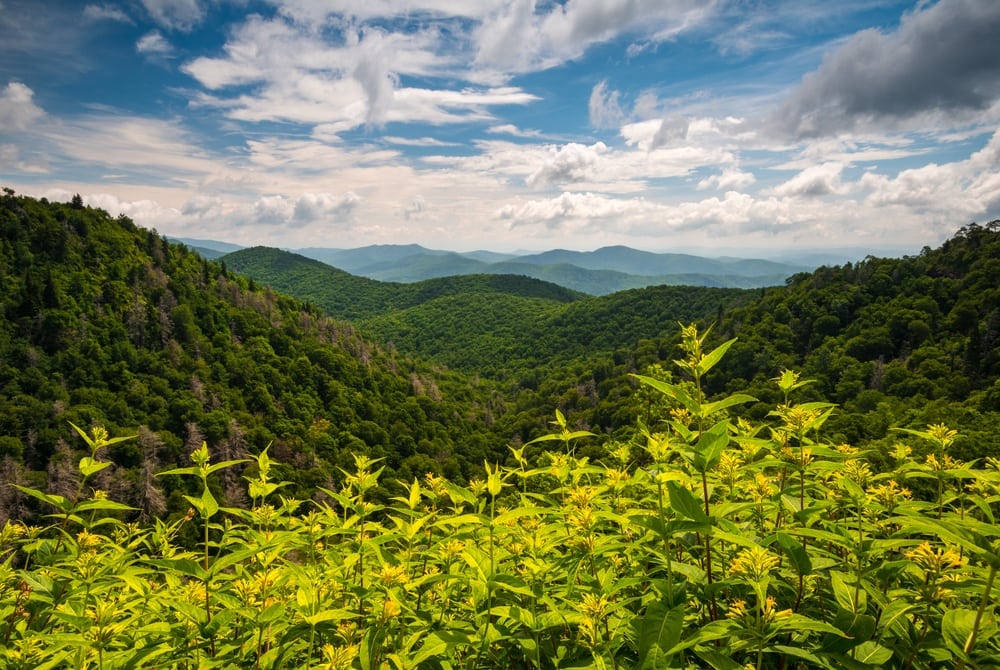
(706, 541)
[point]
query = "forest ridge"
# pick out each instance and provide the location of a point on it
(107, 323)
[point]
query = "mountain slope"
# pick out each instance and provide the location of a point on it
(346, 296)
(599, 272)
(106, 323)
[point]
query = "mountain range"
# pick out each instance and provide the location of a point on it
(599, 272)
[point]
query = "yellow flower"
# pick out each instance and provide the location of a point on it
(390, 609)
(754, 563)
(339, 658)
(935, 560)
(393, 575)
(944, 436)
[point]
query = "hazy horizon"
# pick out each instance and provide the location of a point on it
(740, 128)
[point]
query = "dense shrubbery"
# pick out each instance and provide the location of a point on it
(709, 542)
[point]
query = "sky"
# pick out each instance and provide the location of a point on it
(747, 127)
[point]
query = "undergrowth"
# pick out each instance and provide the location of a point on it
(710, 542)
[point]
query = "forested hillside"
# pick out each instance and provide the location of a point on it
(903, 341)
(346, 296)
(102, 322)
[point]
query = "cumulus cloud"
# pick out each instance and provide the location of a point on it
(945, 57)
(813, 182)
(175, 14)
(672, 130)
(728, 180)
(17, 108)
(570, 163)
(323, 208)
(942, 192)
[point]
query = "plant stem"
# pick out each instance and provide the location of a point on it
(971, 641)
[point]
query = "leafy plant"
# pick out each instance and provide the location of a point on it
(707, 541)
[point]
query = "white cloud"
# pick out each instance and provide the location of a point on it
(730, 179)
(814, 182)
(942, 192)
(569, 163)
(516, 38)
(105, 13)
(514, 131)
(18, 110)
(323, 208)
(604, 107)
(300, 77)
(175, 14)
(154, 44)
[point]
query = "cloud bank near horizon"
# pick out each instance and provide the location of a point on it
(511, 124)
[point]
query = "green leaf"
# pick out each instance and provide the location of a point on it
(709, 360)
(206, 505)
(719, 405)
(710, 446)
(956, 627)
(659, 630)
(797, 555)
(89, 466)
(685, 503)
(51, 498)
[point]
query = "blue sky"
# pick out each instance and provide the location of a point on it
(734, 126)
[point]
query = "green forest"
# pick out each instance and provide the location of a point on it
(264, 462)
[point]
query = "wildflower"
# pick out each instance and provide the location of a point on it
(620, 453)
(935, 560)
(478, 487)
(393, 575)
(581, 496)
(729, 466)
(754, 563)
(901, 452)
(339, 658)
(857, 471)
(616, 479)
(889, 495)
(761, 488)
(390, 609)
(594, 606)
(453, 549)
(942, 434)
(681, 415)
(737, 610)
(87, 541)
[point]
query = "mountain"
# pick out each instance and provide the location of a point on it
(491, 325)
(105, 323)
(347, 296)
(599, 272)
(210, 249)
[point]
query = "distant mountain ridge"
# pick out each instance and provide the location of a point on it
(599, 272)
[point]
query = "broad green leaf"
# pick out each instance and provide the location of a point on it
(956, 627)
(725, 403)
(797, 554)
(51, 498)
(685, 503)
(709, 360)
(660, 629)
(710, 446)
(89, 466)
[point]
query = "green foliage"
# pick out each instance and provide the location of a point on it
(714, 542)
(106, 323)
